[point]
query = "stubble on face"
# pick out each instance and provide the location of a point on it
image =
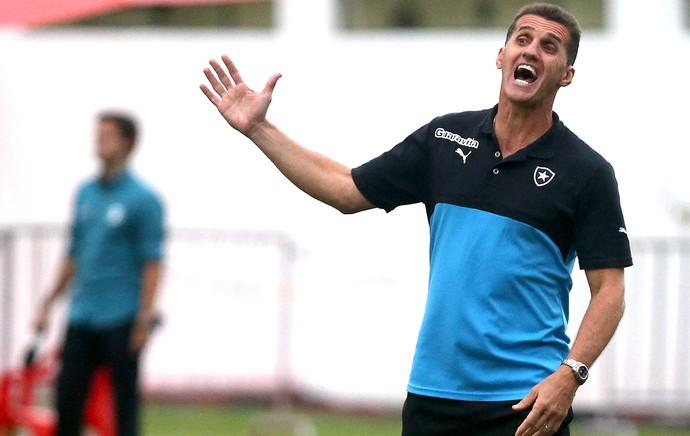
(112, 147)
(534, 62)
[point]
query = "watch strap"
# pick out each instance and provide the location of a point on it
(580, 370)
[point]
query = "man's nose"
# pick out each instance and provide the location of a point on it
(532, 50)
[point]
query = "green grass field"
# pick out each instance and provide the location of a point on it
(169, 420)
(187, 420)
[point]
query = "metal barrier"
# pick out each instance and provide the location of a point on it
(214, 265)
(236, 282)
(645, 371)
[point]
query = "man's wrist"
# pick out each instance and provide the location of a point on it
(48, 300)
(579, 370)
(260, 132)
(146, 320)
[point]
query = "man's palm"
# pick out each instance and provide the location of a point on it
(241, 107)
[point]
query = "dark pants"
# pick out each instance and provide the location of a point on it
(84, 350)
(429, 416)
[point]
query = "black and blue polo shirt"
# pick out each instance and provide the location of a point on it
(504, 236)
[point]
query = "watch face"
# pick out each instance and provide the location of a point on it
(582, 372)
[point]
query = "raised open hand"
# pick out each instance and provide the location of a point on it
(241, 107)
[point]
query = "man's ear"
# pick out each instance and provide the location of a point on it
(499, 58)
(568, 76)
(130, 147)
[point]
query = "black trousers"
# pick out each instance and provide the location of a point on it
(429, 416)
(84, 350)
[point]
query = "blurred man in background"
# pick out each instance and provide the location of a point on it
(113, 268)
(513, 197)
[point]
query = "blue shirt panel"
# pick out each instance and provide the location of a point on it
(491, 308)
(117, 228)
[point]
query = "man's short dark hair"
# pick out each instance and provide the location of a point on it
(125, 123)
(556, 14)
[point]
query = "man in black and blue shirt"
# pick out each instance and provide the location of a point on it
(513, 197)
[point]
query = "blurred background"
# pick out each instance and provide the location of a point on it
(270, 295)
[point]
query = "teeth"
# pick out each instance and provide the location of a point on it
(528, 68)
(524, 74)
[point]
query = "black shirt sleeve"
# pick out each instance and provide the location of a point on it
(397, 176)
(601, 238)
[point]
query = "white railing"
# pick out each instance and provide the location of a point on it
(229, 296)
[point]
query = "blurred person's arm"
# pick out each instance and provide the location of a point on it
(65, 274)
(147, 317)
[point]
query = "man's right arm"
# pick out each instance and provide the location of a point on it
(245, 110)
(322, 178)
(65, 274)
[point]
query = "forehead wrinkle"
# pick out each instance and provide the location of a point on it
(551, 34)
(536, 23)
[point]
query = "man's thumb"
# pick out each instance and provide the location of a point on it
(526, 402)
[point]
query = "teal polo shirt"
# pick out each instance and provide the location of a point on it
(117, 228)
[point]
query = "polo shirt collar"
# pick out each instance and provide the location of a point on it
(544, 147)
(115, 181)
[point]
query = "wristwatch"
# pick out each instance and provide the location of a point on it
(580, 370)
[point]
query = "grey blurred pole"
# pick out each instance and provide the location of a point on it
(7, 238)
(285, 389)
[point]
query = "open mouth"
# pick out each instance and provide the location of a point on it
(525, 74)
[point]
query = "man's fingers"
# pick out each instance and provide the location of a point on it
(526, 402)
(548, 429)
(222, 75)
(215, 84)
(210, 95)
(271, 83)
(232, 69)
(530, 425)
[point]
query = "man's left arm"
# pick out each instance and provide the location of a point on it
(146, 317)
(151, 239)
(551, 399)
(603, 314)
